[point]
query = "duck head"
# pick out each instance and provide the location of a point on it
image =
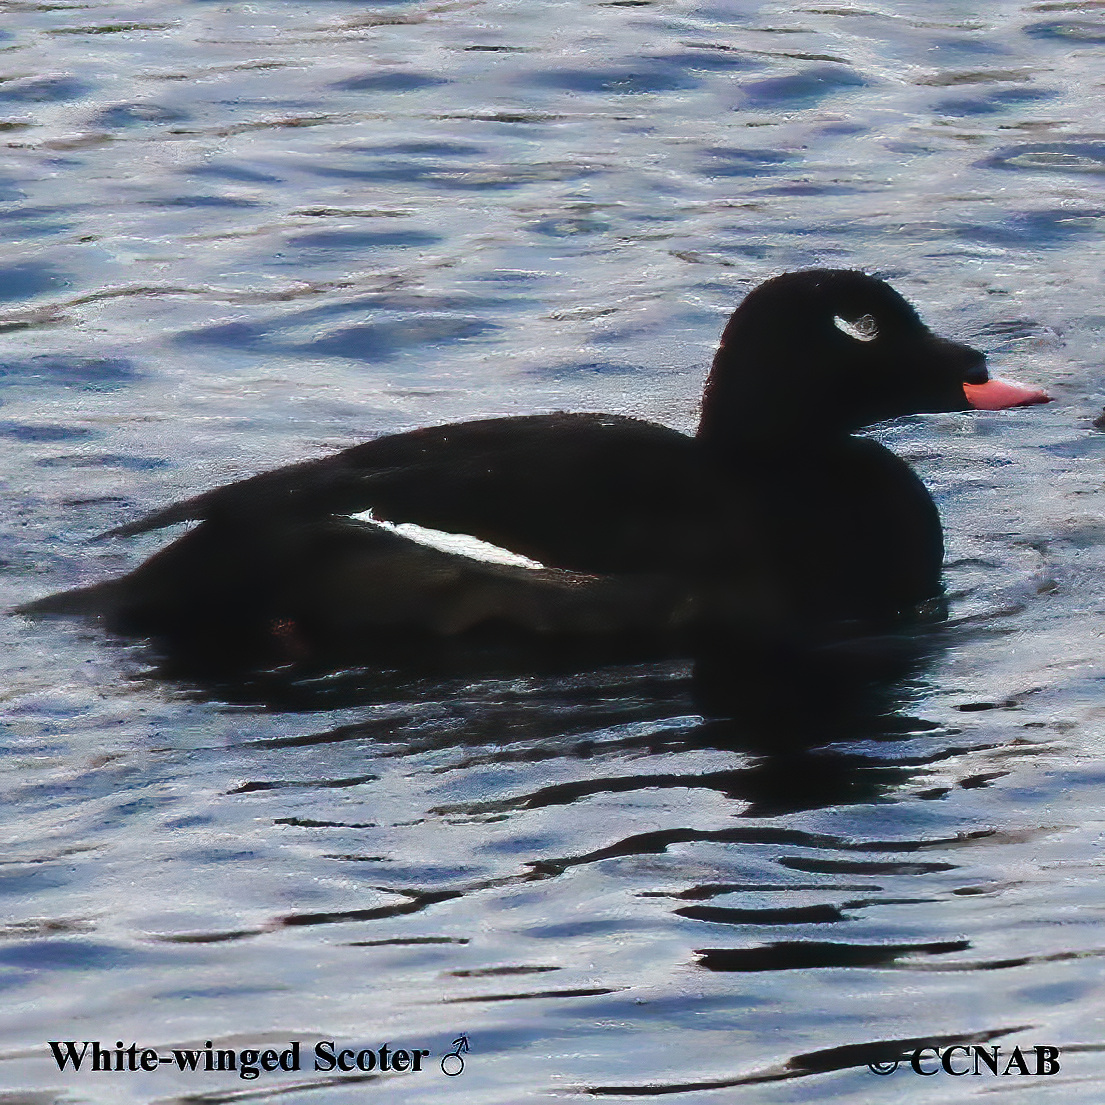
(825, 352)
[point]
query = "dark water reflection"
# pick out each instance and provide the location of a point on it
(236, 236)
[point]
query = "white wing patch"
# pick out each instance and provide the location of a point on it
(459, 544)
(864, 328)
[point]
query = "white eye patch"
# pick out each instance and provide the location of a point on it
(864, 328)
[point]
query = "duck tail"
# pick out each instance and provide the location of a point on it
(96, 600)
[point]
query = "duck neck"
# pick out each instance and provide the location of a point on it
(747, 409)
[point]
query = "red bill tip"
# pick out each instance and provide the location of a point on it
(997, 395)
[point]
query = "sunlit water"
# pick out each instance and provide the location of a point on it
(236, 235)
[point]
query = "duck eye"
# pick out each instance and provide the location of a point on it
(864, 328)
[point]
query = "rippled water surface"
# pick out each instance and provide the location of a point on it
(236, 235)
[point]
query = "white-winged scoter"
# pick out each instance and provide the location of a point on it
(773, 516)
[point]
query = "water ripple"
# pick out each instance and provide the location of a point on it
(236, 237)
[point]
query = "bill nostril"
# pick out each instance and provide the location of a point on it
(974, 366)
(976, 373)
(968, 365)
